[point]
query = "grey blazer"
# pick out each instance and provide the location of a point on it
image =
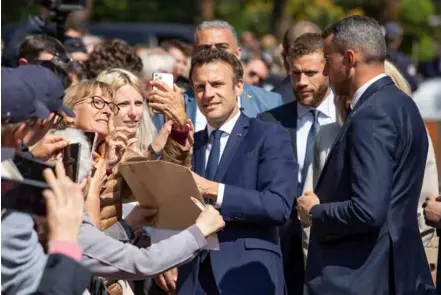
(107, 257)
(323, 143)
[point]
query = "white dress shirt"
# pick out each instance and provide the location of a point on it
(363, 88)
(305, 119)
(227, 128)
(201, 121)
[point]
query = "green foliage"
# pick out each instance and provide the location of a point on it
(413, 15)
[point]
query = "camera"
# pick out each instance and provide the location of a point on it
(65, 6)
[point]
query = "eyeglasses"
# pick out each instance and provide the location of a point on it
(99, 103)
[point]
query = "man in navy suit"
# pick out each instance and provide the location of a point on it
(364, 236)
(244, 167)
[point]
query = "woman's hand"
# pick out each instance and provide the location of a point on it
(64, 203)
(168, 101)
(161, 138)
(117, 142)
(210, 221)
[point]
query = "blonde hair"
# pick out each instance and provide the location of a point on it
(392, 72)
(81, 90)
(117, 78)
(397, 77)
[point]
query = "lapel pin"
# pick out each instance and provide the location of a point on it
(239, 134)
(249, 96)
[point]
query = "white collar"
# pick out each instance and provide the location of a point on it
(324, 108)
(363, 88)
(227, 127)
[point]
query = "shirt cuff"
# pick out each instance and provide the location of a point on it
(68, 249)
(220, 196)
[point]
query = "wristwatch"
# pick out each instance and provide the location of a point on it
(152, 151)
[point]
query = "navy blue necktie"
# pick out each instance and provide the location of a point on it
(213, 159)
(309, 148)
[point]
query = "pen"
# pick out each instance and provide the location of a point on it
(198, 203)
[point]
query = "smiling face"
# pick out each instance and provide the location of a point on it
(90, 118)
(215, 92)
(310, 85)
(131, 105)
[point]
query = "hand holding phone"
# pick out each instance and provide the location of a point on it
(166, 78)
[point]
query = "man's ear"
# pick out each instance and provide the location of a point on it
(238, 52)
(238, 88)
(22, 61)
(349, 58)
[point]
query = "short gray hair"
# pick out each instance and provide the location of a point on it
(362, 33)
(216, 24)
(156, 60)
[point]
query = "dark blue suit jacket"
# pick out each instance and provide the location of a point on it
(257, 168)
(364, 235)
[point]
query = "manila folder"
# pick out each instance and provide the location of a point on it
(167, 187)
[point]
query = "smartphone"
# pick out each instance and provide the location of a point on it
(31, 168)
(71, 158)
(165, 78)
(92, 138)
(24, 196)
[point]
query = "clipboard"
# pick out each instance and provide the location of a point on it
(165, 186)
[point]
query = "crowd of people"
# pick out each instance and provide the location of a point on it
(327, 184)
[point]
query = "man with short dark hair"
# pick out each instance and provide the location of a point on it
(39, 48)
(300, 28)
(220, 34)
(313, 108)
(244, 167)
(364, 236)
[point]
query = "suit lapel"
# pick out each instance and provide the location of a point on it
(234, 140)
(200, 140)
(366, 95)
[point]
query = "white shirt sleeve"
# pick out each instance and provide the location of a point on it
(220, 195)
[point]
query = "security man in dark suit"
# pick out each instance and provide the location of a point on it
(363, 240)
